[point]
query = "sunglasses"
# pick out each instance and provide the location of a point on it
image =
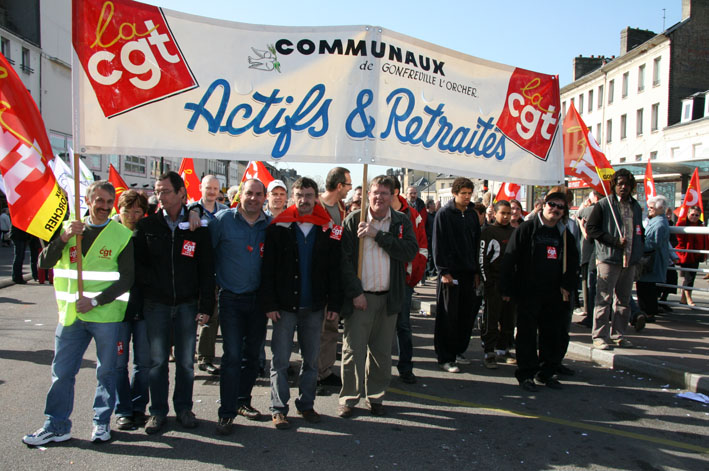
(556, 205)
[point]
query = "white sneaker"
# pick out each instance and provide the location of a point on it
(42, 436)
(462, 360)
(450, 367)
(101, 433)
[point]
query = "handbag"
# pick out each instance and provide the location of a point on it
(646, 264)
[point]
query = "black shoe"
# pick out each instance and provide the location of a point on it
(650, 319)
(565, 370)
(377, 409)
(262, 373)
(125, 423)
(249, 412)
(209, 368)
(154, 424)
(640, 321)
(331, 380)
(407, 377)
(139, 419)
(19, 281)
(528, 385)
(552, 383)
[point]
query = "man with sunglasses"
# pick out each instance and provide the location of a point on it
(540, 268)
(616, 226)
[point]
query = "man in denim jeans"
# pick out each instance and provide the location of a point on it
(238, 236)
(300, 277)
(95, 314)
(175, 270)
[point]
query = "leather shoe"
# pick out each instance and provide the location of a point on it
(19, 281)
(345, 411)
(249, 412)
(125, 423)
(407, 377)
(564, 370)
(209, 368)
(310, 416)
(377, 409)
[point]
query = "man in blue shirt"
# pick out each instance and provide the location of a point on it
(238, 236)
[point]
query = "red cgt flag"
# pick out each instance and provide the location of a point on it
(693, 197)
(37, 204)
(649, 183)
(186, 171)
(118, 183)
(256, 169)
(583, 158)
(508, 191)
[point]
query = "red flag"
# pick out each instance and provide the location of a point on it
(583, 158)
(256, 169)
(191, 181)
(649, 183)
(508, 191)
(693, 197)
(37, 204)
(118, 183)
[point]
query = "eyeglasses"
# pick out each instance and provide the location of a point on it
(221, 200)
(556, 205)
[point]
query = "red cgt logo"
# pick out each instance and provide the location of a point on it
(531, 113)
(128, 53)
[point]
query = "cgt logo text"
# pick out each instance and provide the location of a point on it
(129, 54)
(104, 252)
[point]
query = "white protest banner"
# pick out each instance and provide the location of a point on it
(152, 81)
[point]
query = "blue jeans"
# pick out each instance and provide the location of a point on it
(70, 344)
(162, 320)
(403, 334)
(309, 325)
(132, 395)
(243, 330)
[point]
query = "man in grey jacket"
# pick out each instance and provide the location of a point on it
(615, 224)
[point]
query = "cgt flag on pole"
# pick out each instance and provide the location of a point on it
(692, 198)
(508, 191)
(256, 169)
(37, 204)
(583, 158)
(118, 183)
(649, 183)
(188, 175)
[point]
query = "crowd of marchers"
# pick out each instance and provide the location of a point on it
(157, 272)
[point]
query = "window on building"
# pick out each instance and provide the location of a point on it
(655, 117)
(581, 103)
(674, 152)
(695, 150)
(609, 130)
(25, 65)
(656, 72)
(687, 111)
(58, 142)
(641, 78)
(600, 97)
(598, 132)
(623, 126)
(653, 155)
(622, 160)
(639, 122)
(6, 49)
(638, 157)
(93, 161)
(611, 87)
(624, 89)
(590, 101)
(134, 165)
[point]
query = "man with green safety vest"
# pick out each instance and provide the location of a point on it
(94, 313)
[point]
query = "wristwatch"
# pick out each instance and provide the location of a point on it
(94, 302)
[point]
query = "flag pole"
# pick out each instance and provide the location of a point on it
(362, 218)
(77, 211)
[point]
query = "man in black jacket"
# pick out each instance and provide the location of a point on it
(456, 238)
(540, 267)
(299, 280)
(175, 269)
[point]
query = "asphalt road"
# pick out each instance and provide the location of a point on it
(479, 419)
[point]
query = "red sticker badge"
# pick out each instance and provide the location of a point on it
(188, 248)
(120, 347)
(336, 232)
(249, 248)
(260, 249)
(551, 253)
(72, 254)
(638, 230)
(401, 231)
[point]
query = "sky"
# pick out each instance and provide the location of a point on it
(543, 36)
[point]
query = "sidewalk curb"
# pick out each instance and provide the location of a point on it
(665, 372)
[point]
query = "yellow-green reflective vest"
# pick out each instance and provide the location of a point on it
(99, 271)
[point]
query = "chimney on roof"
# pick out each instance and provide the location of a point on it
(586, 65)
(630, 38)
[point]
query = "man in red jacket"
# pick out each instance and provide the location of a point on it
(414, 273)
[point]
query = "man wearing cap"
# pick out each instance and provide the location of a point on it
(615, 224)
(108, 274)
(539, 269)
(300, 279)
(207, 208)
(238, 236)
(337, 184)
(277, 198)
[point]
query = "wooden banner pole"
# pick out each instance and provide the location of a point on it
(77, 212)
(362, 218)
